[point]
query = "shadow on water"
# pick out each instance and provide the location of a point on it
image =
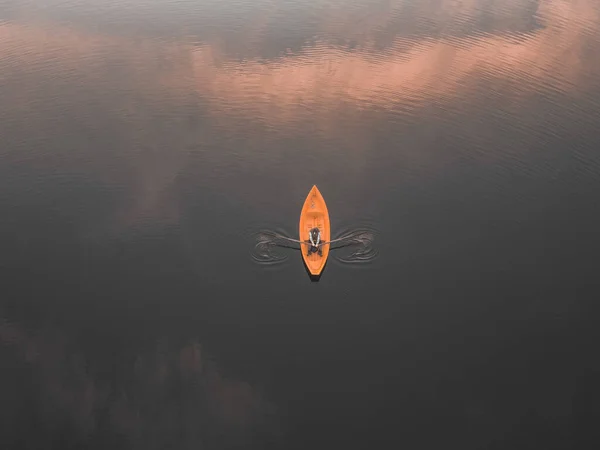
(314, 278)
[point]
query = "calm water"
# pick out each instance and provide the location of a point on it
(146, 143)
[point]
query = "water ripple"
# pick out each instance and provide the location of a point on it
(265, 249)
(354, 245)
(357, 246)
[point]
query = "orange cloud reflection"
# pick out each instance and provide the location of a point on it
(134, 81)
(410, 74)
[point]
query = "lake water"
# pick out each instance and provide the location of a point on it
(146, 144)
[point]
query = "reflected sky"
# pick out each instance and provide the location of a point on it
(321, 74)
(144, 141)
(349, 61)
(554, 56)
(167, 395)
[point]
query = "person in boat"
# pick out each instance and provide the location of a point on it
(314, 239)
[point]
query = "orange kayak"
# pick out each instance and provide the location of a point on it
(314, 214)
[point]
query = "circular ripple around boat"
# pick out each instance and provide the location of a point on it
(264, 246)
(265, 250)
(357, 246)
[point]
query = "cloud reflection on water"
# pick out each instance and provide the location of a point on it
(170, 396)
(323, 78)
(322, 86)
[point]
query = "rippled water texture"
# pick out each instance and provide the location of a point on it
(358, 243)
(151, 147)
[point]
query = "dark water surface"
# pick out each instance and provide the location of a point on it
(145, 143)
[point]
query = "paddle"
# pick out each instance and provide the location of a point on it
(277, 235)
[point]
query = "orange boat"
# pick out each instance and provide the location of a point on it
(315, 215)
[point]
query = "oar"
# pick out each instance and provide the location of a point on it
(308, 242)
(279, 236)
(338, 239)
